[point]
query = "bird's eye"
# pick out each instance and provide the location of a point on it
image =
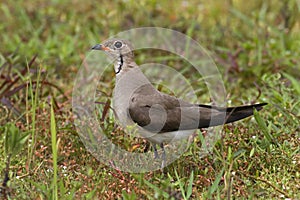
(118, 44)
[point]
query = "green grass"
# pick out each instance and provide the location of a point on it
(54, 143)
(255, 45)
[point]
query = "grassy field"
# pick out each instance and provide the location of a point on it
(256, 46)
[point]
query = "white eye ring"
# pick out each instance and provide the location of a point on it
(118, 44)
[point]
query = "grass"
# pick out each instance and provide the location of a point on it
(255, 45)
(54, 143)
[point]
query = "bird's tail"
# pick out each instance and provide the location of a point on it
(221, 115)
(241, 112)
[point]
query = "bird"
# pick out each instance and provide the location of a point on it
(160, 117)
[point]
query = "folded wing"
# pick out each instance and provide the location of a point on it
(161, 113)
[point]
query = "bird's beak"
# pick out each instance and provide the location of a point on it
(100, 47)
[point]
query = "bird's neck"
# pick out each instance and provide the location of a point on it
(128, 79)
(119, 64)
(124, 64)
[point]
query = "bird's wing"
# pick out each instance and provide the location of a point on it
(159, 113)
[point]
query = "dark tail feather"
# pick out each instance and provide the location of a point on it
(241, 112)
(221, 115)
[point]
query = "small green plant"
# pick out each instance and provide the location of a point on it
(186, 192)
(14, 139)
(13, 144)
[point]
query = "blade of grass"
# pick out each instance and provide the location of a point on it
(215, 184)
(295, 83)
(34, 102)
(180, 185)
(190, 186)
(186, 194)
(54, 151)
(157, 190)
(263, 126)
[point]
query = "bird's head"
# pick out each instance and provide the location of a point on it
(116, 48)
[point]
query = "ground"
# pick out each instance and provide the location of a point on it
(255, 45)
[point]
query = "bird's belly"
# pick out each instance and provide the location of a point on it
(166, 137)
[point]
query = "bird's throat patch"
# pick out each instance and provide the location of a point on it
(120, 64)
